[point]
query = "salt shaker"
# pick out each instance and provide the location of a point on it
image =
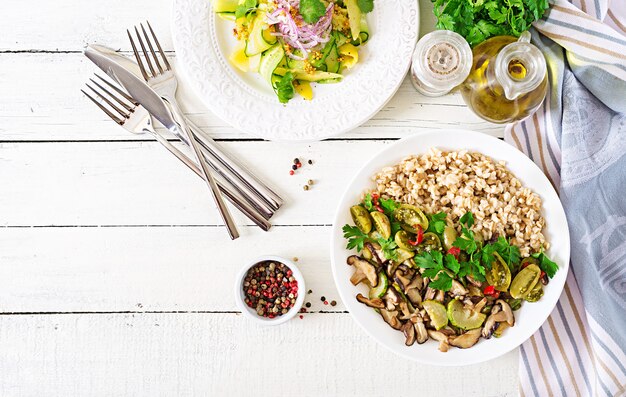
(441, 61)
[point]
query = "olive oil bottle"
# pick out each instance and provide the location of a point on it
(508, 80)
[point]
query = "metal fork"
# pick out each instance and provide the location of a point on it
(167, 83)
(126, 112)
(162, 79)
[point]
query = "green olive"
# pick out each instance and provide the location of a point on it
(525, 281)
(535, 294)
(449, 236)
(410, 217)
(402, 240)
(499, 275)
(382, 224)
(361, 218)
(430, 243)
(404, 254)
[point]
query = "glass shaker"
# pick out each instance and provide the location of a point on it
(508, 80)
(441, 61)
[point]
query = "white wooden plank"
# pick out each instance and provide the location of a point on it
(219, 355)
(148, 269)
(49, 106)
(140, 183)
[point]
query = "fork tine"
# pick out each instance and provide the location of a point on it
(104, 109)
(118, 90)
(123, 104)
(167, 64)
(137, 57)
(108, 102)
(145, 53)
(154, 55)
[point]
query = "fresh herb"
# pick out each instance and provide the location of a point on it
(245, 8)
(389, 248)
(367, 202)
(546, 264)
(441, 270)
(284, 88)
(509, 253)
(473, 268)
(437, 223)
(477, 20)
(366, 5)
(312, 10)
(388, 205)
(356, 238)
(467, 219)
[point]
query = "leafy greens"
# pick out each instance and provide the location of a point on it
(478, 20)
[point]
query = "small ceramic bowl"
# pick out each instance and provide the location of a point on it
(250, 312)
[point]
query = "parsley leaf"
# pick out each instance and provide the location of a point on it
(388, 205)
(356, 238)
(437, 223)
(546, 264)
(443, 282)
(510, 253)
(452, 263)
(389, 248)
(435, 270)
(467, 219)
(478, 20)
(366, 5)
(246, 7)
(367, 202)
(284, 88)
(312, 10)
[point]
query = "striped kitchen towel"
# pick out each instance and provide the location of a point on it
(578, 138)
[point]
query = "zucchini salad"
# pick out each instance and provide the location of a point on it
(293, 43)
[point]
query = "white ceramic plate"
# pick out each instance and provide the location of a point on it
(203, 42)
(528, 319)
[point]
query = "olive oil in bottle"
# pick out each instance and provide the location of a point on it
(508, 79)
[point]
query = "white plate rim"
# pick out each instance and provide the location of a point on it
(553, 291)
(306, 122)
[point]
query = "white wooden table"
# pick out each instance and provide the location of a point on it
(115, 274)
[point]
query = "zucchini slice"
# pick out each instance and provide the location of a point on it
(317, 76)
(354, 17)
(257, 42)
(270, 60)
(381, 288)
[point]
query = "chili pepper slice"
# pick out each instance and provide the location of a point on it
(419, 237)
(455, 251)
(489, 290)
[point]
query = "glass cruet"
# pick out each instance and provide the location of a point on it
(508, 80)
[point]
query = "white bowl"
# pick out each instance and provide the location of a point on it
(251, 313)
(527, 320)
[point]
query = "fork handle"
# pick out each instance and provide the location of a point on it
(237, 201)
(180, 128)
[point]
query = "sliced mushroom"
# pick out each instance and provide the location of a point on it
(377, 253)
(474, 281)
(357, 277)
(391, 267)
(376, 303)
(414, 296)
(409, 333)
(422, 332)
(466, 340)
(430, 294)
(474, 291)
(364, 267)
(402, 281)
(458, 289)
(391, 318)
(510, 318)
(392, 298)
(480, 305)
(441, 295)
(438, 335)
(444, 346)
(406, 311)
(492, 323)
